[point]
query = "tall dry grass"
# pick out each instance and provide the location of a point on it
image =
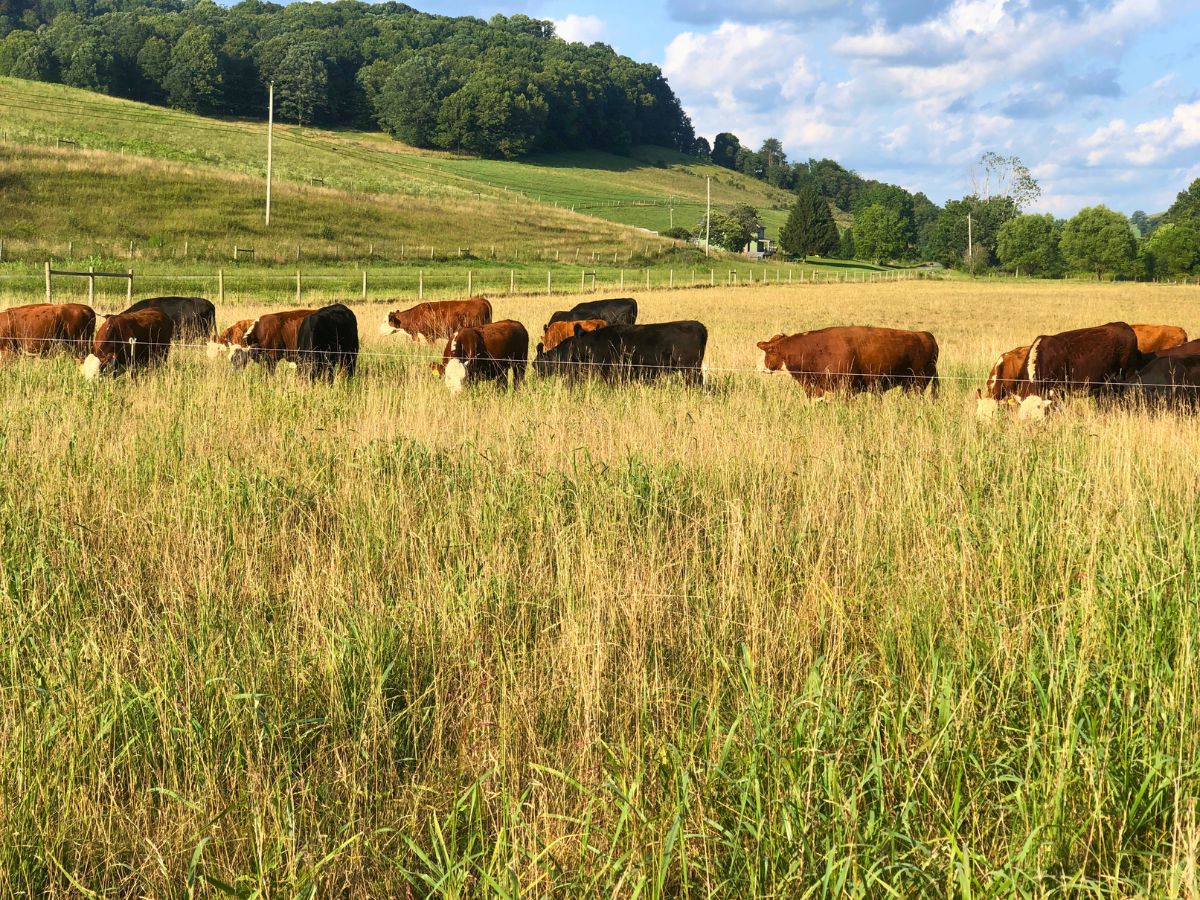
(266, 638)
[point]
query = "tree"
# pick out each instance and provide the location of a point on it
(879, 234)
(194, 80)
(1005, 176)
(1029, 244)
(947, 241)
(498, 112)
(846, 248)
(90, 65)
(701, 149)
(774, 164)
(407, 106)
(301, 83)
(725, 150)
(1186, 208)
(1173, 250)
(732, 230)
(1142, 223)
(810, 229)
(1098, 240)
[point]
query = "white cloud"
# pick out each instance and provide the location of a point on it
(584, 29)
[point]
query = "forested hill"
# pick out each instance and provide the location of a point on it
(501, 88)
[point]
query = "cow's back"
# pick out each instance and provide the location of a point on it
(1158, 338)
(1084, 357)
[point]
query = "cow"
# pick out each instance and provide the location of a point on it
(1002, 382)
(1157, 338)
(857, 359)
(44, 328)
(621, 311)
(270, 338)
(223, 344)
(1190, 348)
(558, 332)
(127, 342)
(428, 322)
(193, 317)
(486, 353)
(328, 343)
(1092, 359)
(1170, 379)
(629, 352)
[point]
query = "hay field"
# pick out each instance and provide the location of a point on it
(269, 639)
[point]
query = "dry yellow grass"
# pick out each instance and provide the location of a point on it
(590, 641)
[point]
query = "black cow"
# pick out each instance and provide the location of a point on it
(614, 312)
(629, 352)
(327, 342)
(193, 317)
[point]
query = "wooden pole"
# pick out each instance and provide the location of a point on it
(91, 286)
(220, 285)
(470, 284)
(297, 287)
(364, 290)
(270, 129)
(548, 283)
(421, 285)
(129, 289)
(49, 297)
(512, 281)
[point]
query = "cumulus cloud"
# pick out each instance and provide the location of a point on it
(585, 29)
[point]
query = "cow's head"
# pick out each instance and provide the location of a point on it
(985, 407)
(772, 359)
(461, 354)
(90, 368)
(1033, 408)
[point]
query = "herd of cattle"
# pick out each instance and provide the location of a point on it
(602, 338)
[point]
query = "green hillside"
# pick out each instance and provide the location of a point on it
(649, 189)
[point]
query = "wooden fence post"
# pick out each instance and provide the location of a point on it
(49, 297)
(129, 289)
(91, 286)
(470, 284)
(421, 285)
(364, 291)
(297, 287)
(622, 279)
(647, 279)
(548, 289)
(512, 281)
(131, 249)
(220, 285)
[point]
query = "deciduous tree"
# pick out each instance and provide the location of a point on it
(1098, 240)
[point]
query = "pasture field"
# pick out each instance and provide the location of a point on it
(640, 189)
(269, 639)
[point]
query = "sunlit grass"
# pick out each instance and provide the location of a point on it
(365, 639)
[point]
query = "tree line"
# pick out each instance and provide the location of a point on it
(983, 231)
(506, 87)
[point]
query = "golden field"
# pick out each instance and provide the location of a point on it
(272, 639)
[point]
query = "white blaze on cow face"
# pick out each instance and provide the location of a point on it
(386, 328)
(456, 375)
(1033, 409)
(985, 407)
(215, 349)
(90, 367)
(762, 363)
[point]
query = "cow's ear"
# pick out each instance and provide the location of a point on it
(578, 329)
(763, 345)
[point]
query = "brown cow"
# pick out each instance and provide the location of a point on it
(128, 342)
(854, 358)
(270, 338)
(233, 336)
(557, 332)
(438, 321)
(1157, 338)
(1002, 381)
(44, 328)
(486, 353)
(1088, 358)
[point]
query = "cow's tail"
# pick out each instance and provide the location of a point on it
(934, 381)
(488, 305)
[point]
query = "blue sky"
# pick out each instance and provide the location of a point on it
(1101, 99)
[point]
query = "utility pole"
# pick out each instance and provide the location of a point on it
(270, 127)
(970, 246)
(708, 217)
